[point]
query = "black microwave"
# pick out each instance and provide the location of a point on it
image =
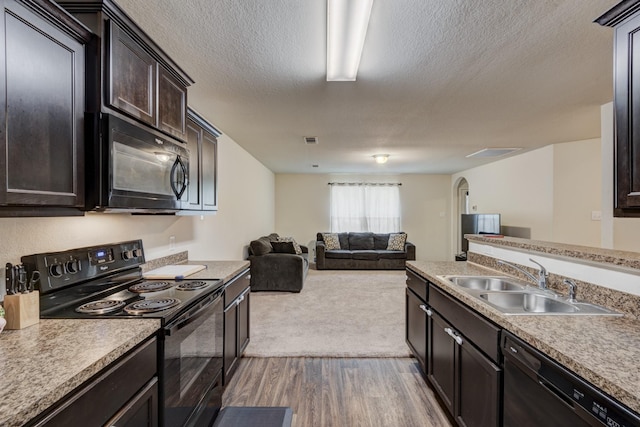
(135, 169)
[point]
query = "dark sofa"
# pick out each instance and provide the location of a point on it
(362, 251)
(277, 271)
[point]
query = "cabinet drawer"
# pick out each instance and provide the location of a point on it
(235, 287)
(103, 397)
(484, 334)
(418, 285)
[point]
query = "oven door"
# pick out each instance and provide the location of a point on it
(191, 387)
(146, 170)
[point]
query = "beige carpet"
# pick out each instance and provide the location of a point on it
(337, 314)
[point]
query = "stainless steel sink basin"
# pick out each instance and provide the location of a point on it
(486, 283)
(515, 297)
(527, 302)
(533, 302)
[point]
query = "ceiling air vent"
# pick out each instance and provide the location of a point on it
(493, 152)
(310, 140)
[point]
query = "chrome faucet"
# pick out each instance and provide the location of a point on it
(541, 280)
(573, 288)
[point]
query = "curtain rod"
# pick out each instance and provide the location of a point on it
(367, 183)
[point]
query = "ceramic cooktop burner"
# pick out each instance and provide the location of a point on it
(150, 287)
(100, 307)
(151, 305)
(192, 286)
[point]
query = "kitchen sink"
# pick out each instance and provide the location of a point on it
(486, 283)
(527, 302)
(515, 297)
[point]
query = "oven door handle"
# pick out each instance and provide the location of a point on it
(191, 317)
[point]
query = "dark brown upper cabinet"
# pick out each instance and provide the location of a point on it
(202, 142)
(130, 73)
(625, 19)
(42, 68)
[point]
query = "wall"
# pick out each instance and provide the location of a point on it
(302, 208)
(577, 185)
(552, 190)
(246, 207)
(246, 194)
(520, 188)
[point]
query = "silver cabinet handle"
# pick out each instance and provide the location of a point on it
(457, 338)
(248, 277)
(426, 310)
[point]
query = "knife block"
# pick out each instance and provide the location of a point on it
(22, 310)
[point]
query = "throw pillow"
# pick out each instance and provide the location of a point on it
(296, 246)
(331, 241)
(396, 241)
(260, 246)
(283, 247)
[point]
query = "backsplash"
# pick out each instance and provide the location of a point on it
(177, 258)
(613, 268)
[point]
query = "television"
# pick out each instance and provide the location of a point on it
(478, 224)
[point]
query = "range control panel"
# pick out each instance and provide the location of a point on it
(65, 268)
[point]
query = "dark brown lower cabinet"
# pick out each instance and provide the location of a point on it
(236, 323)
(467, 381)
(416, 327)
(478, 381)
(125, 395)
(442, 358)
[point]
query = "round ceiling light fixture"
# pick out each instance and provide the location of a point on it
(381, 158)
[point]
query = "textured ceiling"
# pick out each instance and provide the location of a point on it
(438, 79)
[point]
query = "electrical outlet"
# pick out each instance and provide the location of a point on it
(596, 216)
(172, 243)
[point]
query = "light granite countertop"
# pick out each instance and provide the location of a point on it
(225, 270)
(42, 363)
(603, 350)
(604, 256)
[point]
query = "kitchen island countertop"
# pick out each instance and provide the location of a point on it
(41, 364)
(603, 350)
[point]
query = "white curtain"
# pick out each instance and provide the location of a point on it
(365, 207)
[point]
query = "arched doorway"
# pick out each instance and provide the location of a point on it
(461, 189)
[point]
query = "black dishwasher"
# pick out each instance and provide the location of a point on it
(540, 392)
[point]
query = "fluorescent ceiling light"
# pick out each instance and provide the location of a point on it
(347, 22)
(381, 158)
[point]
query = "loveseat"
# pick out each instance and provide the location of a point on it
(362, 251)
(275, 265)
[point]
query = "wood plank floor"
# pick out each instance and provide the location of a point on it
(338, 392)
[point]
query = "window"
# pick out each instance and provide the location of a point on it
(365, 207)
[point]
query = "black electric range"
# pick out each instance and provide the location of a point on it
(106, 281)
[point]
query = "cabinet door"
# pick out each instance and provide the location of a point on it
(172, 104)
(478, 394)
(627, 103)
(142, 410)
(230, 341)
(209, 172)
(192, 198)
(416, 327)
(243, 322)
(131, 77)
(441, 360)
(41, 112)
